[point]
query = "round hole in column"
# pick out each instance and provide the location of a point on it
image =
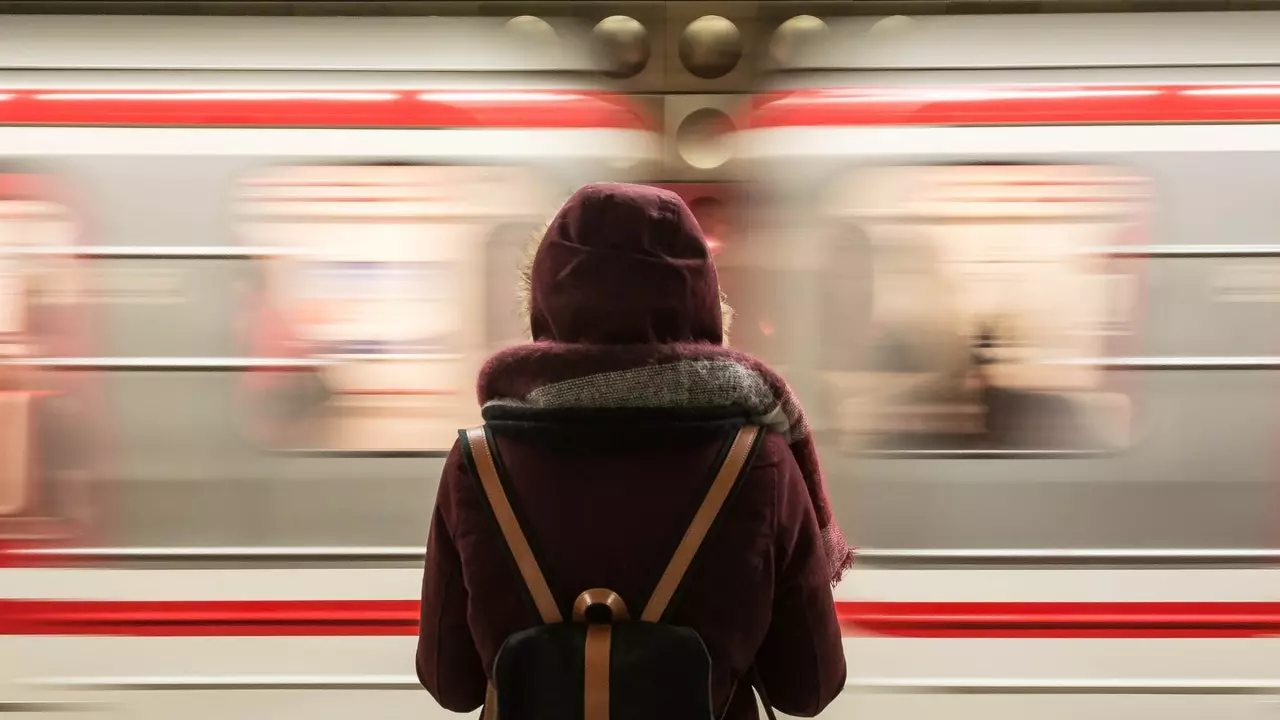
(703, 138)
(624, 45)
(710, 47)
(792, 35)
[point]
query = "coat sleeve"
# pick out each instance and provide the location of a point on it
(801, 661)
(448, 665)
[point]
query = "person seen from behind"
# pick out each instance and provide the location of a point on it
(641, 528)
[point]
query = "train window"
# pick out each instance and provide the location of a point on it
(375, 271)
(40, 461)
(975, 303)
(15, 470)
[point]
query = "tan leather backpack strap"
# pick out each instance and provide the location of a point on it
(490, 711)
(482, 458)
(597, 666)
(724, 481)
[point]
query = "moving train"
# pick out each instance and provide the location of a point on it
(1018, 267)
(1028, 267)
(250, 267)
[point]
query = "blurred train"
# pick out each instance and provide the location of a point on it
(251, 266)
(288, 233)
(1019, 268)
(1027, 267)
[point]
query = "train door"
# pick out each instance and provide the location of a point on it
(1053, 439)
(716, 206)
(44, 439)
(989, 297)
(719, 209)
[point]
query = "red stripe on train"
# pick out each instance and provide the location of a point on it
(1063, 620)
(400, 617)
(205, 618)
(322, 109)
(1019, 105)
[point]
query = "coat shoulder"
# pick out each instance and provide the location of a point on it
(773, 452)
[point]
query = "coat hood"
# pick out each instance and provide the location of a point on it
(623, 265)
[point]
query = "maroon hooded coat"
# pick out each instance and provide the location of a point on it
(605, 494)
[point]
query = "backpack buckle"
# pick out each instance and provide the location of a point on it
(600, 598)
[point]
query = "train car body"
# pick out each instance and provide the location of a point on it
(298, 237)
(1027, 264)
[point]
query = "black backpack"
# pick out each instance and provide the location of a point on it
(600, 664)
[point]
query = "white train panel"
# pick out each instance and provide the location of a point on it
(173, 671)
